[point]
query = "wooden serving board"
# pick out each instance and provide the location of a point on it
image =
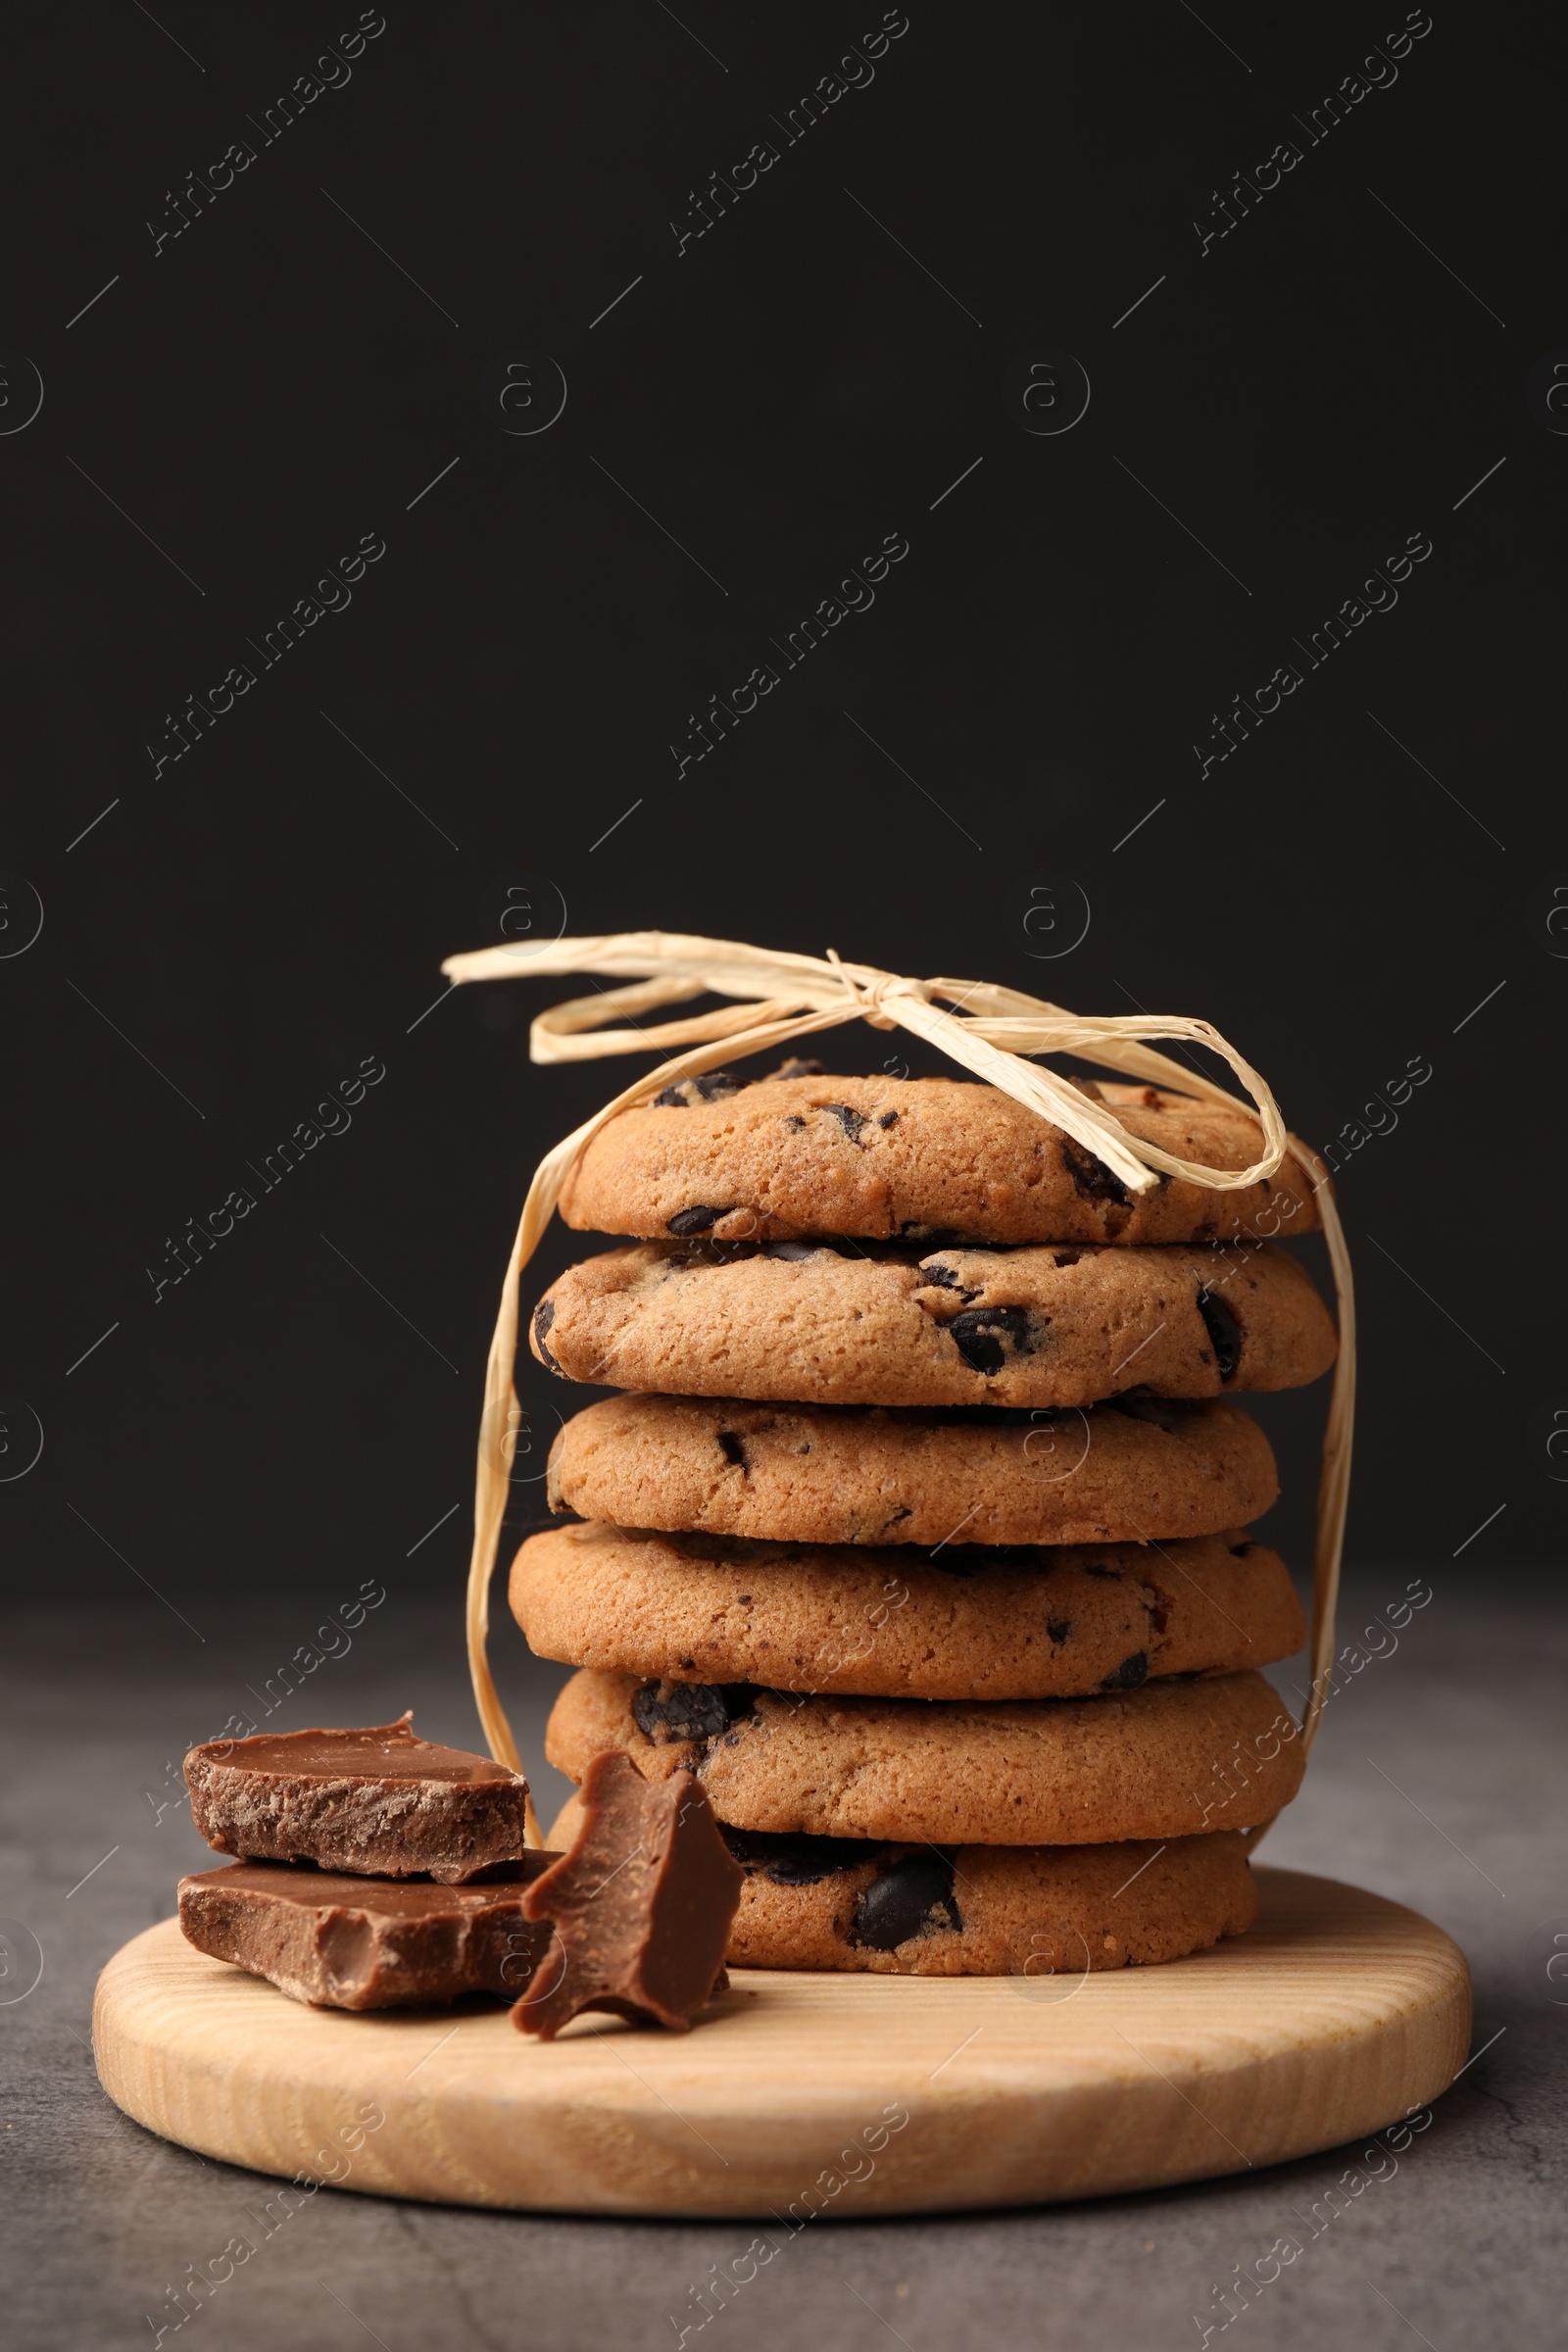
(1337, 2014)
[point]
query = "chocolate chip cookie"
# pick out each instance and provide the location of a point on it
(839, 1325)
(968, 1622)
(1047, 1914)
(927, 1158)
(1166, 1761)
(854, 1474)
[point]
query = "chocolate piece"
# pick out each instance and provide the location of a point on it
(1223, 1330)
(1129, 1674)
(851, 1120)
(378, 1801)
(793, 1859)
(902, 1899)
(988, 1336)
(342, 1942)
(687, 1710)
(641, 1906)
(688, 1221)
(714, 1086)
(544, 1314)
(1092, 1179)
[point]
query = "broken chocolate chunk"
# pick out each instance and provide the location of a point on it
(694, 1220)
(1223, 1330)
(851, 1120)
(380, 1802)
(688, 1710)
(989, 1336)
(901, 1902)
(714, 1086)
(1058, 1627)
(1129, 1674)
(641, 1908)
(889, 1119)
(1092, 1179)
(733, 1447)
(343, 1942)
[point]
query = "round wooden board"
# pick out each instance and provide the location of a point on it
(1337, 2013)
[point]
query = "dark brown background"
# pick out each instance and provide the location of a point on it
(267, 389)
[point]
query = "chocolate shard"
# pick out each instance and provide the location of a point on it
(641, 1906)
(343, 1942)
(1223, 1330)
(379, 1801)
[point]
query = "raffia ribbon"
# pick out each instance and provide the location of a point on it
(989, 1030)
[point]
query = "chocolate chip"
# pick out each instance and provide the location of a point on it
(1129, 1674)
(799, 1069)
(714, 1086)
(851, 1121)
(791, 1252)
(792, 1860)
(809, 1860)
(900, 1901)
(688, 1710)
(1159, 1411)
(1091, 1177)
(694, 1220)
(544, 1314)
(733, 1450)
(889, 1119)
(1058, 1627)
(940, 1277)
(793, 1125)
(1223, 1330)
(988, 1336)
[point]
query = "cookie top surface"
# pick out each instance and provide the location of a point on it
(921, 1159)
(1167, 1761)
(968, 1622)
(867, 1474)
(1050, 1914)
(837, 1324)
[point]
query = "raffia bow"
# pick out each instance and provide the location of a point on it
(989, 1030)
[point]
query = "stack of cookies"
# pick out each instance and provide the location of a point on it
(921, 1535)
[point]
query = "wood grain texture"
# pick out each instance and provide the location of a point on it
(1337, 2013)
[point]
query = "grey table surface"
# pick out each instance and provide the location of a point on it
(1437, 1781)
